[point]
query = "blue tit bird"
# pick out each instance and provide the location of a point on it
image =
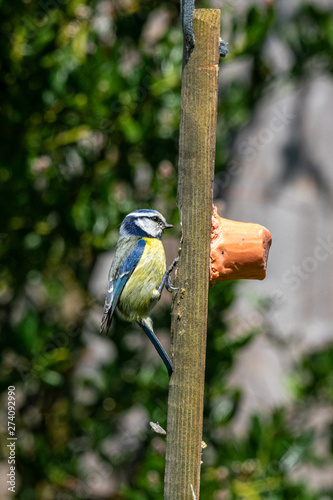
(138, 274)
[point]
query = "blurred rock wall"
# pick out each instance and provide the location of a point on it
(282, 178)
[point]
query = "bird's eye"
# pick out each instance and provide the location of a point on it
(155, 219)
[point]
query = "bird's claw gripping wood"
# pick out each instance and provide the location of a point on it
(169, 286)
(166, 281)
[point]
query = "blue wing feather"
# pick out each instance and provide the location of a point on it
(118, 282)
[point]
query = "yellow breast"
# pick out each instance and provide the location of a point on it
(135, 300)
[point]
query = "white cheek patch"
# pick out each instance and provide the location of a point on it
(140, 223)
(150, 227)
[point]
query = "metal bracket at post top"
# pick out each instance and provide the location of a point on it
(186, 12)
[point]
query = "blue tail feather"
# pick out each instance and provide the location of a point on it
(158, 346)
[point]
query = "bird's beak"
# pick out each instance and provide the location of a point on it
(168, 226)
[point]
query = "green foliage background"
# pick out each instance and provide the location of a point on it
(89, 128)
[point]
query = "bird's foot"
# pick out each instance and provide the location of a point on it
(168, 284)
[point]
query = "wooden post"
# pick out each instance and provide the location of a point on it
(189, 316)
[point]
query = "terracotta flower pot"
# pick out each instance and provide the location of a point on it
(239, 250)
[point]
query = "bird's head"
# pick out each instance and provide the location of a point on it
(144, 223)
